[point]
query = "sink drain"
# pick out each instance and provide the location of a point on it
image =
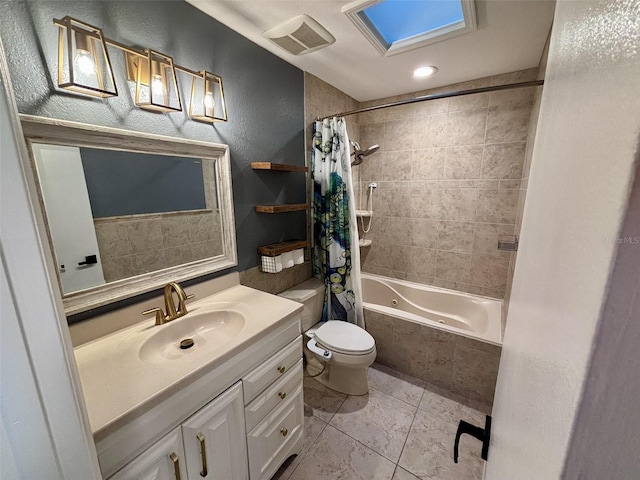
(186, 343)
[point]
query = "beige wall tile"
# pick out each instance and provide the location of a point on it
(463, 162)
(485, 237)
(430, 131)
(503, 160)
(490, 270)
(113, 241)
(428, 164)
(459, 204)
(453, 266)
(455, 236)
(432, 107)
(144, 235)
(398, 134)
(118, 268)
(423, 202)
(497, 206)
(175, 231)
(422, 261)
(398, 165)
(466, 127)
(468, 102)
(423, 232)
(508, 123)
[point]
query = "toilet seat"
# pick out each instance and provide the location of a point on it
(345, 338)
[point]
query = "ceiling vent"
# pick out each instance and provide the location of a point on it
(300, 35)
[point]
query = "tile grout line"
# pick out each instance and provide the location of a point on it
(302, 457)
(409, 433)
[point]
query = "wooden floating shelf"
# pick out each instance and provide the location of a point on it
(279, 167)
(291, 207)
(282, 247)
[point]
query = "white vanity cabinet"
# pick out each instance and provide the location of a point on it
(242, 418)
(209, 445)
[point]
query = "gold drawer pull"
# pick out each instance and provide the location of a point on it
(282, 395)
(282, 368)
(203, 452)
(176, 464)
(284, 431)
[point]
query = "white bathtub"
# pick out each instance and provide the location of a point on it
(457, 312)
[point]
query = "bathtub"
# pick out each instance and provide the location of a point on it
(447, 338)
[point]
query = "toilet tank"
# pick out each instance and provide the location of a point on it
(311, 294)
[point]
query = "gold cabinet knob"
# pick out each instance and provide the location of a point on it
(282, 368)
(284, 432)
(282, 395)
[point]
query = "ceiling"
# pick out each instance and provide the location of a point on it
(511, 36)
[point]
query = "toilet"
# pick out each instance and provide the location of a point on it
(337, 353)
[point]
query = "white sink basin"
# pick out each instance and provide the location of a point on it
(208, 330)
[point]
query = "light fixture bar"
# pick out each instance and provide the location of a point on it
(63, 23)
(133, 51)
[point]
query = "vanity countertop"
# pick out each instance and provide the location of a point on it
(117, 381)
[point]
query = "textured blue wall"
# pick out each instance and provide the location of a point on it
(264, 94)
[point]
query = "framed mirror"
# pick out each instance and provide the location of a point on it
(127, 212)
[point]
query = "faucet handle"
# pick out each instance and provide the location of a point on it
(160, 317)
(190, 296)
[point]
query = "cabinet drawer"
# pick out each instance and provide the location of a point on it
(273, 396)
(272, 369)
(276, 436)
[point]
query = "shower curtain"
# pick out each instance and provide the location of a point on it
(336, 254)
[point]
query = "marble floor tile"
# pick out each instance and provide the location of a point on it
(428, 452)
(395, 384)
(377, 420)
(313, 427)
(402, 474)
(449, 410)
(320, 400)
(336, 456)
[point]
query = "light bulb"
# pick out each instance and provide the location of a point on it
(84, 62)
(209, 103)
(157, 85)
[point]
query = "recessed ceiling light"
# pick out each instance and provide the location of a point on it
(423, 72)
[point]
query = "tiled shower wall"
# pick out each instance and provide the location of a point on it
(449, 173)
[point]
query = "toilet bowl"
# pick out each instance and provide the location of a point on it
(337, 353)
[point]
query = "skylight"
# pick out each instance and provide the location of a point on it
(394, 26)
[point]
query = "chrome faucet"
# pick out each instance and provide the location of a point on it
(169, 304)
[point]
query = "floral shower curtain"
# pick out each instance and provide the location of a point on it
(336, 254)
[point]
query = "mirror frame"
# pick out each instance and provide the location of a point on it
(62, 132)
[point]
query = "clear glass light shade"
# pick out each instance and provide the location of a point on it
(83, 61)
(156, 84)
(207, 99)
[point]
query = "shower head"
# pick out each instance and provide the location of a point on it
(360, 154)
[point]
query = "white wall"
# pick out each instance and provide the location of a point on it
(583, 166)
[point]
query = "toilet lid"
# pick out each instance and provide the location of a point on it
(344, 337)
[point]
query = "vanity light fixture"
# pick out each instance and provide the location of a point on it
(207, 99)
(156, 84)
(154, 74)
(83, 61)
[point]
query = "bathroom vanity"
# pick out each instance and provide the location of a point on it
(228, 408)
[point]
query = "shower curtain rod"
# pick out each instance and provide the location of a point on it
(436, 96)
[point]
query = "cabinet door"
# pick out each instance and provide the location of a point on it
(162, 461)
(214, 439)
